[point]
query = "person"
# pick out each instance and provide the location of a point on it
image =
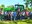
(18, 14)
(5, 13)
(27, 14)
(11, 15)
(30, 14)
(14, 14)
(8, 16)
(22, 15)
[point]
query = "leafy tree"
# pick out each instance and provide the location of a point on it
(2, 6)
(31, 2)
(27, 2)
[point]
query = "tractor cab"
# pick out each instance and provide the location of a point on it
(21, 7)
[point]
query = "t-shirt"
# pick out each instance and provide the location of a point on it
(14, 14)
(2, 13)
(5, 13)
(30, 13)
(27, 13)
(18, 13)
(23, 13)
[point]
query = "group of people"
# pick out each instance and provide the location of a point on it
(17, 15)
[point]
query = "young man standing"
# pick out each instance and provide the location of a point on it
(14, 14)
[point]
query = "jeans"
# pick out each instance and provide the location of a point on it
(17, 17)
(30, 16)
(22, 17)
(14, 18)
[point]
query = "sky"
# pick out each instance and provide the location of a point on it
(11, 2)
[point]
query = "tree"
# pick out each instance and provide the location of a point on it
(2, 6)
(27, 2)
(10, 6)
(31, 2)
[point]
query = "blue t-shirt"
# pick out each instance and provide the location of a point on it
(30, 13)
(14, 14)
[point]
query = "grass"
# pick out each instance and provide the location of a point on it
(17, 22)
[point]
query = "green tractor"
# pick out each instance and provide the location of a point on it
(19, 6)
(8, 9)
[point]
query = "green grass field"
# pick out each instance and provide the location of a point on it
(17, 22)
